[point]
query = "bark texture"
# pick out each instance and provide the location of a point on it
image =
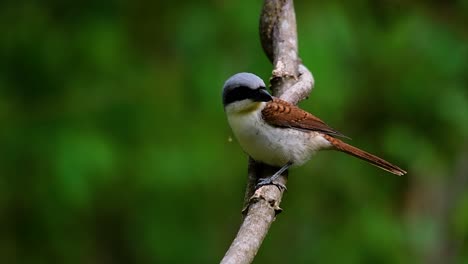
(292, 82)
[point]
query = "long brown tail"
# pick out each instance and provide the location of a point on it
(374, 160)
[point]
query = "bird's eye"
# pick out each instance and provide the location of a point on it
(238, 94)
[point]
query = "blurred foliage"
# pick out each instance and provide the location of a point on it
(114, 146)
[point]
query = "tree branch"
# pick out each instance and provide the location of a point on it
(292, 82)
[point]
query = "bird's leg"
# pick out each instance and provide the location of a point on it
(270, 180)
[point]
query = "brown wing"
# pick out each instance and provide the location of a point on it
(283, 114)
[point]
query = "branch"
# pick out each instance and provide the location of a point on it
(301, 89)
(292, 82)
(259, 213)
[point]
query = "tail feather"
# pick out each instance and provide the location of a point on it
(374, 160)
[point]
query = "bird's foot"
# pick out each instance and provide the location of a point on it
(272, 180)
(269, 181)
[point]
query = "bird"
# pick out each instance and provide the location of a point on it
(278, 133)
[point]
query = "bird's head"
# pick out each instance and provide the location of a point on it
(244, 92)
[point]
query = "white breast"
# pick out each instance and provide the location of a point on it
(273, 145)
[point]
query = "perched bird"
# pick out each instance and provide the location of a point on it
(278, 133)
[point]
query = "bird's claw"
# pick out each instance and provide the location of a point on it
(268, 181)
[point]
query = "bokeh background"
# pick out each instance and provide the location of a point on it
(114, 147)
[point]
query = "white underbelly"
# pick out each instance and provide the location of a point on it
(272, 145)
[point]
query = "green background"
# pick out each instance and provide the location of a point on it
(114, 146)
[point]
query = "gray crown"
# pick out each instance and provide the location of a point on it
(243, 79)
(243, 86)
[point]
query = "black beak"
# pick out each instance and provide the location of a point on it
(262, 95)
